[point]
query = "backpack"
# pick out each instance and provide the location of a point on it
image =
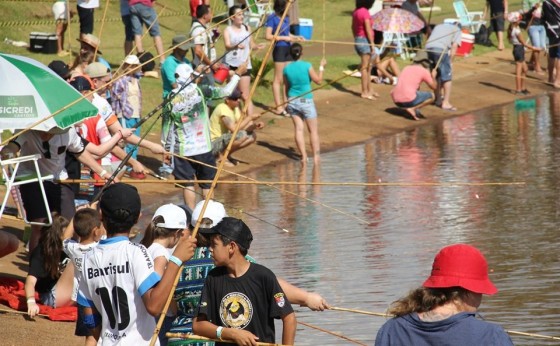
(482, 37)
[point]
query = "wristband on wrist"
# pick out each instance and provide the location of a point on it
(175, 260)
(31, 300)
(321, 69)
(219, 332)
(103, 172)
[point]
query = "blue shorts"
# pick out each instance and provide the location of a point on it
(362, 45)
(187, 170)
(128, 33)
(142, 14)
(302, 107)
(444, 67)
(421, 97)
(48, 298)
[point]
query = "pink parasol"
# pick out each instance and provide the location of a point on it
(396, 20)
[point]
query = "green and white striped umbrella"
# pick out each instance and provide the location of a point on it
(30, 91)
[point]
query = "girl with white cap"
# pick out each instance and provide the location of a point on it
(161, 235)
(443, 310)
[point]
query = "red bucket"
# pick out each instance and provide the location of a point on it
(221, 74)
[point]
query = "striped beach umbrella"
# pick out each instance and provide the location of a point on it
(30, 91)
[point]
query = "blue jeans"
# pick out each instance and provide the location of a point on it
(538, 36)
(362, 46)
(421, 97)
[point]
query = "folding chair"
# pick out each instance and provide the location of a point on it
(9, 172)
(257, 9)
(471, 20)
(396, 41)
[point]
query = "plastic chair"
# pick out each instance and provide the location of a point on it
(471, 20)
(9, 173)
(398, 42)
(255, 10)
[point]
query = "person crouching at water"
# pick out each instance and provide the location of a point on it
(443, 310)
(406, 93)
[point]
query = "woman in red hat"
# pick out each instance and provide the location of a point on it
(443, 310)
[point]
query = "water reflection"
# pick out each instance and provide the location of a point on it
(363, 247)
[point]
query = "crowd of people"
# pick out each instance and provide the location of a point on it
(86, 258)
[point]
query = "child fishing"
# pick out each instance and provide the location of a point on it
(519, 44)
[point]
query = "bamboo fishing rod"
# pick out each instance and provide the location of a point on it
(101, 29)
(21, 313)
(338, 335)
(292, 183)
(219, 171)
(189, 336)
(512, 332)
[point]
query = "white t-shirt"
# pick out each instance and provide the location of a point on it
(157, 250)
(88, 3)
(119, 268)
(103, 106)
(238, 56)
(514, 33)
(75, 251)
(31, 143)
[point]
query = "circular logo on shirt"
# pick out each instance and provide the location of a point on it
(236, 310)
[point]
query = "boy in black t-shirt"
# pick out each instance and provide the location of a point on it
(240, 300)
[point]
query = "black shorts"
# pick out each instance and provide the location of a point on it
(59, 196)
(86, 20)
(81, 329)
(518, 53)
(281, 54)
(247, 73)
(187, 170)
(497, 21)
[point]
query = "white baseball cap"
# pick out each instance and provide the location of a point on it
(215, 211)
(132, 60)
(173, 217)
(184, 73)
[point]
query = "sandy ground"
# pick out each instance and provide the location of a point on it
(344, 119)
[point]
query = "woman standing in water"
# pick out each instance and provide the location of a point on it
(297, 81)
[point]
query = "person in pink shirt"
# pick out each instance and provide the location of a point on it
(406, 93)
(363, 44)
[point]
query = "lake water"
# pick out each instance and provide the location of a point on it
(364, 247)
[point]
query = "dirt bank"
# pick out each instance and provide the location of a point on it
(344, 119)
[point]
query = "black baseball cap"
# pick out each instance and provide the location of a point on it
(60, 68)
(81, 83)
(118, 197)
(232, 228)
(235, 94)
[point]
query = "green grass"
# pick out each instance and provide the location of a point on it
(335, 27)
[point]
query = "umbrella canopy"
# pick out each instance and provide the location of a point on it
(30, 91)
(396, 20)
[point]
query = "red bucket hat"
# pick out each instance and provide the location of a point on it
(463, 266)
